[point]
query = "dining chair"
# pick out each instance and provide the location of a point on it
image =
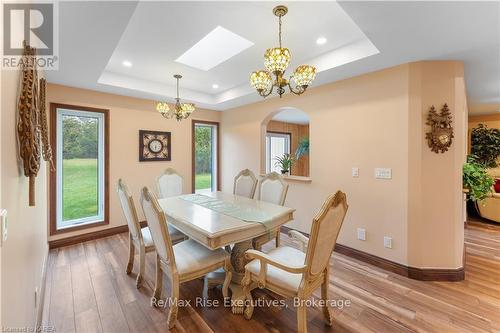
(272, 188)
(181, 262)
(292, 273)
(139, 238)
(245, 184)
(169, 183)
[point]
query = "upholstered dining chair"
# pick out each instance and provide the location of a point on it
(169, 183)
(182, 262)
(272, 188)
(245, 184)
(292, 273)
(139, 238)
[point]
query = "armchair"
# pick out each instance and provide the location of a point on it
(292, 273)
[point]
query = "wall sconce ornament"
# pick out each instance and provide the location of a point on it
(32, 133)
(441, 134)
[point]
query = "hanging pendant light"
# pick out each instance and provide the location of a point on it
(180, 110)
(276, 61)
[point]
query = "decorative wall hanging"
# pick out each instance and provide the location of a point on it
(441, 134)
(154, 146)
(31, 120)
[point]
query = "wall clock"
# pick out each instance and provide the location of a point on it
(154, 146)
(441, 134)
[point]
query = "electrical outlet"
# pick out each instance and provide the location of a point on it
(361, 234)
(388, 242)
(383, 173)
(36, 297)
(355, 172)
(3, 225)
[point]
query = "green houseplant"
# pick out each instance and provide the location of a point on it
(476, 180)
(285, 162)
(485, 145)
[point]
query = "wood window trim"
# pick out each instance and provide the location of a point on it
(193, 166)
(53, 174)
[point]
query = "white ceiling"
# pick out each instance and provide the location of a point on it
(96, 37)
(292, 115)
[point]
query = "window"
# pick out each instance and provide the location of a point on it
(79, 194)
(205, 156)
(277, 144)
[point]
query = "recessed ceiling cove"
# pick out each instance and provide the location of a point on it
(220, 43)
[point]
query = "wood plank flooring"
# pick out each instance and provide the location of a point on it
(88, 291)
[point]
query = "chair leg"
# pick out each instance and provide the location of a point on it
(278, 238)
(158, 280)
(301, 318)
(131, 253)
(245, 283)
(142, 266)
(227, 280)
(327, 313)
(172, 314)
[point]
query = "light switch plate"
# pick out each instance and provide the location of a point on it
(388, 242)
(383, 173)
(361, 234)
(355, 172)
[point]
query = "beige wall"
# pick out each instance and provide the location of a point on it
(491, 120)
(25, 251)
(127, 116)
(368, 122)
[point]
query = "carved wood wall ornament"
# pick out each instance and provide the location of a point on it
(31, 123)
(441, 134)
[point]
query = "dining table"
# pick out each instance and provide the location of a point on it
(222, 220)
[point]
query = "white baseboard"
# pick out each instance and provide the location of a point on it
(41, 294)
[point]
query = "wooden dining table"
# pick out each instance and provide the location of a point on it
(246, 225)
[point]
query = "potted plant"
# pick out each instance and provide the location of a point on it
(285, 163)
(485, 145)
(476, 180)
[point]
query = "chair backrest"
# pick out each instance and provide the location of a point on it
(245, 184)
(128, 208)
(169, 183)
(273, 189)
(324, 232)
(157, 224)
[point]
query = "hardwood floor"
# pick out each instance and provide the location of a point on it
(88, 291)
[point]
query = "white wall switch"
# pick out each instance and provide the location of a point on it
(355, 172)
(3, 225)
(383, 173)
(388, 242)
(361, 234)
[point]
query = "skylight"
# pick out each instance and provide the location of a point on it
(218, 46)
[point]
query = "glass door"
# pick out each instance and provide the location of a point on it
(205, 156)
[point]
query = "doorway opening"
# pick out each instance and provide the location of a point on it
(205, 136)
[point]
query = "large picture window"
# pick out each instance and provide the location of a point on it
(277, 144)
(79, 191)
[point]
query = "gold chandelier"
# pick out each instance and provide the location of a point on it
(276, 61)
(180, 110)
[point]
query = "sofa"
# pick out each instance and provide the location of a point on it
(489, 208)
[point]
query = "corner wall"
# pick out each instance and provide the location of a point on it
(127, 116)
(25, 251)
(372, 121)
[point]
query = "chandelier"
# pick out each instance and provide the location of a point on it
(276, 61)
(180, 110)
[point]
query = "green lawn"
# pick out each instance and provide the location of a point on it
(80, 188)
(203, 181)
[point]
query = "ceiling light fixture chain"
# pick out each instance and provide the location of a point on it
(276, 61)
(180, 110)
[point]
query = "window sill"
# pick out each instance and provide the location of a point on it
(300, 179)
